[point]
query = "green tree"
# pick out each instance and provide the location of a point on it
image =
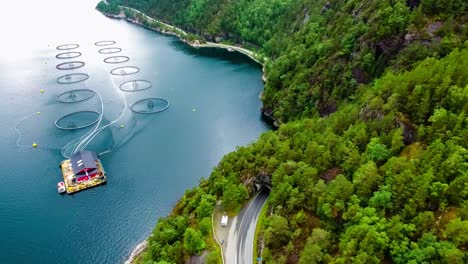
(316, 248)
(193, 241)
(423, 222)
(206, 205)
(233, 196)
(205, 226)
(429, 248)
(381, 199)
(278, 232)
(366, 179)
(377, 151)
(456, 231)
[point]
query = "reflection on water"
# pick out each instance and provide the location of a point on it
(219, 54)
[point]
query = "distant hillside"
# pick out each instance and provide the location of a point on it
(370, 164)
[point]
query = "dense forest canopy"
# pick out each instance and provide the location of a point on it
(370, 164)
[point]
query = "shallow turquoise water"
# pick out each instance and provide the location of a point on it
(214, 108)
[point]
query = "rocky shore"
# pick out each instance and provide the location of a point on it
(137, 252)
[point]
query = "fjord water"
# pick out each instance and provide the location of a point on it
(214, 108)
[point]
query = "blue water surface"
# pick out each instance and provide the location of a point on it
(214, 107)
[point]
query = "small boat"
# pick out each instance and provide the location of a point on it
(61, 187)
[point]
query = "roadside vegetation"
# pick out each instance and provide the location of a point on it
(187, 231)
(370, 161)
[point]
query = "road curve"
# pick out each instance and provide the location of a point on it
(239, 246)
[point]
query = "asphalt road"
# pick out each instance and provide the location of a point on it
(239, 245)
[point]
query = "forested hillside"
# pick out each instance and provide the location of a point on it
(370, 164)
(321, 50)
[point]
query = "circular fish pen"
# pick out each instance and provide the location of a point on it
(116, 59)
(150, 105)
(75, 96)
(77, 120)
(135, 86)
(72, 78)
(109, 50)
(67, 46)
(68, 55)
(71, 65)
(126, 70)
(104, 43)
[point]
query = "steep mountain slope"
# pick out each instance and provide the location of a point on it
(370, 164)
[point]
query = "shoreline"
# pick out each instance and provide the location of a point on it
(179, 33)
(137, 251)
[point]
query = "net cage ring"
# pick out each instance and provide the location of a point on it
(68, 55)
(67, 46)
(64, 124)
(135, 85)
(75, 96)
(109, 50)
(151, 105)
(125, 70)
(72, 78)
(104, 43)
(116, 59)
(70, 65)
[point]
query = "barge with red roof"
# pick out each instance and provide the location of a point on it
(82, 171)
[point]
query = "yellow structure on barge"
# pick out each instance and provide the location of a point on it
(82, 171)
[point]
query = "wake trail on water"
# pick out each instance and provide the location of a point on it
(84, 143)
(75, 143)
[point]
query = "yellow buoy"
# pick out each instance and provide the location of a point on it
(42, 90)
(122, 126)
(34, 145)
(194, 110)
(38, 113)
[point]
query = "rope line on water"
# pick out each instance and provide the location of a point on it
(19, 133)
